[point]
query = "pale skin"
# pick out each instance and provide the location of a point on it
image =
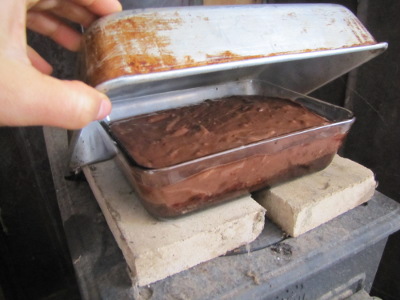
(28, 94)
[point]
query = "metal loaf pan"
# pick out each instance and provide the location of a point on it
(193, 185)
(199, 39)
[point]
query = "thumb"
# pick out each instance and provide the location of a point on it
(32, 98)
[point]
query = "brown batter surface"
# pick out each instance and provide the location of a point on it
(177, 135)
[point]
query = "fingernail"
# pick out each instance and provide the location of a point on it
(104, 110)
(119, 5)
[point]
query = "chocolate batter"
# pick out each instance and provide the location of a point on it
(177, 135)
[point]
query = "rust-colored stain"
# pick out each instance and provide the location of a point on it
(228, 56)
(127, 46)
(139, 45)
(358, 29)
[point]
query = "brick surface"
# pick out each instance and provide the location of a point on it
(156, 249)
(305, 203)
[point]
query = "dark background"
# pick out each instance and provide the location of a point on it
(34, 258)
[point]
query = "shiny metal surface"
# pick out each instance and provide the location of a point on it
(303, 72)
(299, 69)
(156, 40)
(90, 145)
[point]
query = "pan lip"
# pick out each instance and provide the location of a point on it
(128, 80)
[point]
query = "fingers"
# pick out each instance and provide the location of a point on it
(46, 17)
(38, 62)
(100, 7)
(32, 98)
(28, 95)
(52, 27)
(67, 10)
(79, 105)
(80, 11)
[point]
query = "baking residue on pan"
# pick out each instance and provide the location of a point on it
(110, 48)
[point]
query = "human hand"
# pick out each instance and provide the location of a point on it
(28, 95)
